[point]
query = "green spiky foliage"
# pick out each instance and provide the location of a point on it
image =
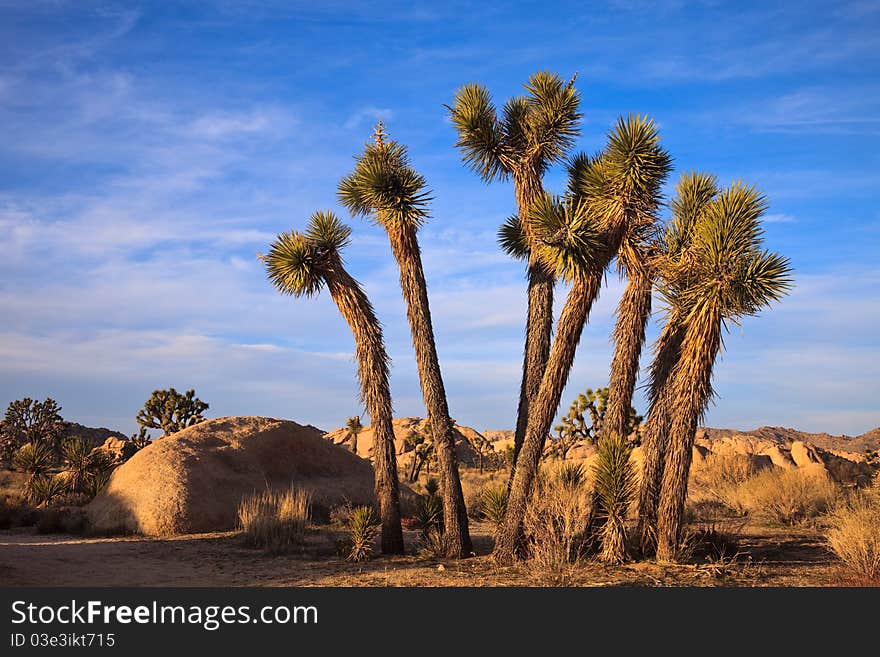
(171, 411)
(46, 489)
(30, 421)
(613, 193)
(722, 275)
(83, 464)
(301, 264)
(354, 426)
(585, 420)
(615, 485)
(36, 460)
(531, 133)
(493, 504)
(385, 187)
(363, 527)
(571, 475)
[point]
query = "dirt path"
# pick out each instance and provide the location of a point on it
(766, 558)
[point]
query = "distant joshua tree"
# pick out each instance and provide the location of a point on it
(385, 187)
(301, 264)
(354, 426)
(171, 411)
(30, 421)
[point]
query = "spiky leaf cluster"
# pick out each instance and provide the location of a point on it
(298, 263)
(567, 236)
(385, 186)
(724, 265)
(533, 131)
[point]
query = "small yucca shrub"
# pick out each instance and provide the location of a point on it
(615, 486)
(35, 459)
(854, 536)
(363, 527)
(493, 504)
(45, 489)
(429, 512)
(275, 520)
(571, 474)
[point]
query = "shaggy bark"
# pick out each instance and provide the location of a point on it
(405, 247)
(667, 351)
(372, 361)
(692, 389)
(574, 315)
(539, 320)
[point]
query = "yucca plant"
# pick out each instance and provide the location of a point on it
(572, 475)
(385, 187)
(301, 264)
(577, 238)
(34, 459)
(493, 504)
(363, 527)
(533, 132)
(723, 274)
(44, 489)
(615, 477)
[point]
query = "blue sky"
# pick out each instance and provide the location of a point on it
(151, 149)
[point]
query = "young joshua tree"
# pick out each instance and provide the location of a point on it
(611, 194)
(301, 264)
(385, 187)
(724, 275)
(354, 426)
(694, 192)
(533, 132)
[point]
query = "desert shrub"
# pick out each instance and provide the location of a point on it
(49, 522)
(571, 474)
(493, 504)
(429, 508)
(363, 528)
(854, 535)
(35, 459)
(710, 543)
(46, 489)
(718, 479)
(275, 520)
(86, 469)
(14, 511)
(786, 497)
(340, 515)
(555, 528)
(434, 543)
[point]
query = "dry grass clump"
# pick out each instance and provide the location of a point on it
(717, 481)
(854, 536)
(787, 497)
(555, 527)
(275, 520)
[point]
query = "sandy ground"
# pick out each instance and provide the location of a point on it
(767, 557)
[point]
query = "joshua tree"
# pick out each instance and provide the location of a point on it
(483, 446)
(30, 421)
(354, 426)
(534, 131)
(694, 192)
(609, 196)
(724, 275)
(385, 187)
(171, 411)
(301, 264)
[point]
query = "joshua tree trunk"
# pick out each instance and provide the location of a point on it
(539, 322)
(692, 389)
(574, 315)
(354, 442)
(656, 432)
(406, 251)
(373, 374)
(633, 312)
